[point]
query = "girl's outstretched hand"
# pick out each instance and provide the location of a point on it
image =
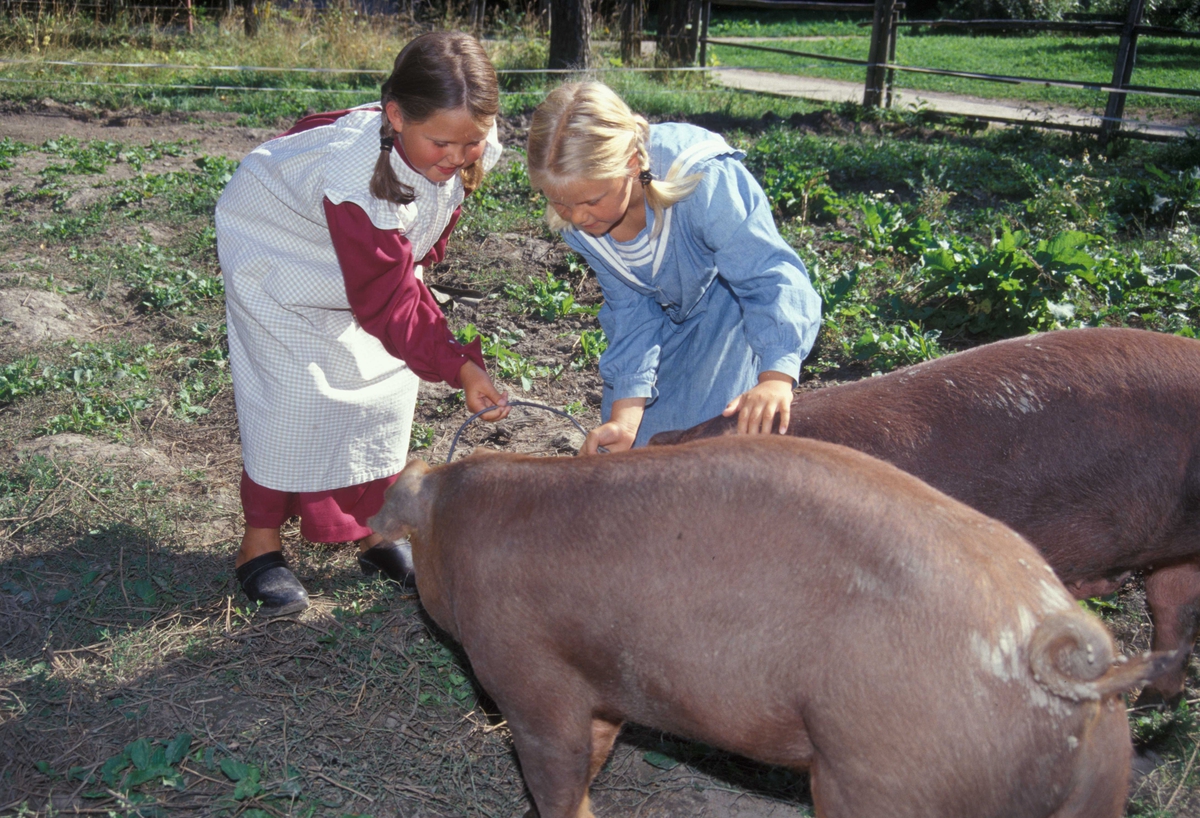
(612, 436)
(757, 408)
(621, 430)
(480, 393)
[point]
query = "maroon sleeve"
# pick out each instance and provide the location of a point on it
(315, 121)
(438, 251)
(389, 301)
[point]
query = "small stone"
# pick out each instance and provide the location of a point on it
(568, 441)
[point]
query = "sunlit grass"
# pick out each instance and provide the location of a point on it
(1160, 63)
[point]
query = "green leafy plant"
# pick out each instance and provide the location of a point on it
(801, 190)
(887, 230)
(1160, 198)
(550, 298)
(1013, 287)
(900, 345)
(10, 149)
(161, 286)
(510, 364)
(421, 437)
(592, 343)
(144, 764)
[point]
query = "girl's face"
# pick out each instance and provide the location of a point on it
(442, 145)
(597, 206)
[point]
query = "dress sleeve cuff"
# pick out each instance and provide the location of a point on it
(636, 386)
(466, 352)
(786, 362)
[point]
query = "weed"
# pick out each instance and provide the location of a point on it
(886, 229)
(549, 299)
(421, 437)
(801, 190)
(9, 150)
(900, 345)
(160, 286)
(592, 343)
(1159, 198)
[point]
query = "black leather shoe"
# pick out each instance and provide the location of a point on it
(267, 579)
(393, 559)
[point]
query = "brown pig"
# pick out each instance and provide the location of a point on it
(1087, 442)
(789, 600)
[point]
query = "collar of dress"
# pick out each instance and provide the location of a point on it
(656, 246)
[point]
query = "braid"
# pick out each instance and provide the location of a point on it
(384, 182)
(438, 71)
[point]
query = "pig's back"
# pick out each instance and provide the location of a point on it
(1078, 439)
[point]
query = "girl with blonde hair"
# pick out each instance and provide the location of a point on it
(707, 309)
(323, 234)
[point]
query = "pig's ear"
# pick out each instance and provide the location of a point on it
(404, 509)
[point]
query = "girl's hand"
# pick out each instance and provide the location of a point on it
(757, 408)
(619, 433)
(612, 436)
(480, 392)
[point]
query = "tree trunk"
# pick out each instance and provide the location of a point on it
(633, 13)
(679, 30)
(570, 31)
(477, 10)
(250, 12)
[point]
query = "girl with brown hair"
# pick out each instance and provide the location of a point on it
(323, 234)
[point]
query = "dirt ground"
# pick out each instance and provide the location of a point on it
(287, 696)
(335, 699)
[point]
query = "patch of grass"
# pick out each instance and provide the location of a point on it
(768, 23)
(1161, 62)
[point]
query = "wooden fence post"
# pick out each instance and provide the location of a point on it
(679, 30)
(893, 27)
(1122, 72)
(881, 35)
(633, 22)
(705, 16)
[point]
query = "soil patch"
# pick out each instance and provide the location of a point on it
(30, 317)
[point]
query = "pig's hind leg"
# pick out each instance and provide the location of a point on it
(1173, 597)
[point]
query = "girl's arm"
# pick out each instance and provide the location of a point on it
(731, 216)
(390, 302)
(634, 325)
(757, 408)
(621, 430)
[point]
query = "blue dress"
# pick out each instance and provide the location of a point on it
(695, 314)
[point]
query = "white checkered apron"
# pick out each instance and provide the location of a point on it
(321, 404)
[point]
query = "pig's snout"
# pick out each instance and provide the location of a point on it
(405, 508)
